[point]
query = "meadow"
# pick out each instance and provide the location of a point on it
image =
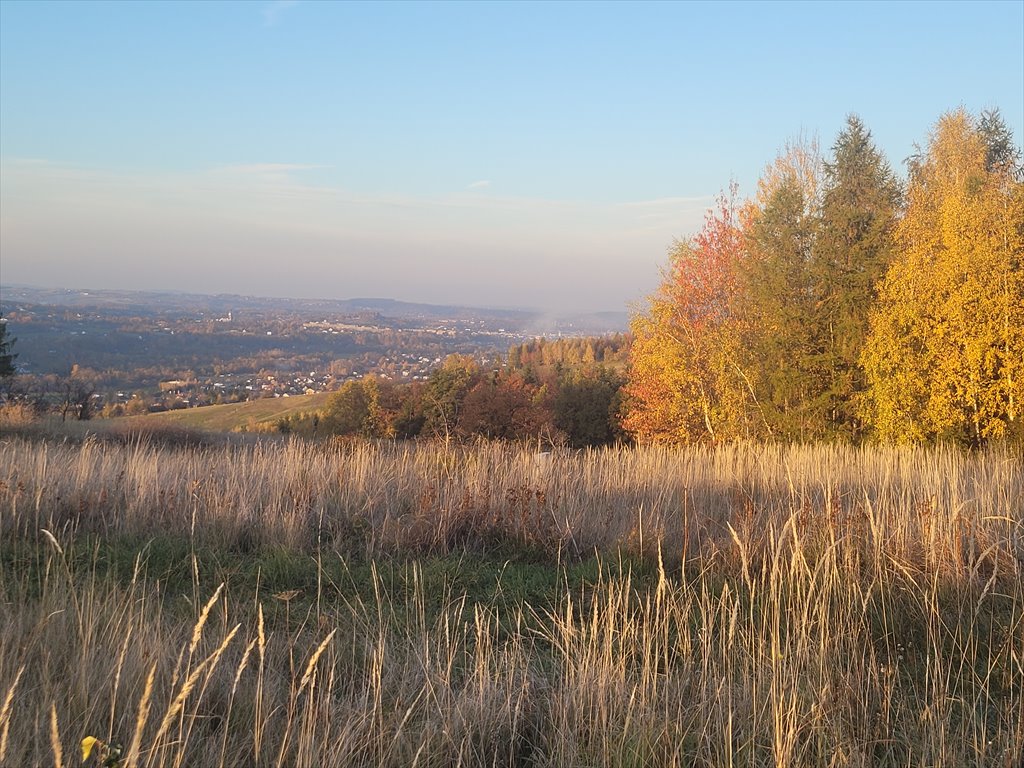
(252, 415)
(281, 602)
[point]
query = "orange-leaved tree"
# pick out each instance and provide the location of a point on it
(684, 385)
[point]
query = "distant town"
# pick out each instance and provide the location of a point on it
(139, 352)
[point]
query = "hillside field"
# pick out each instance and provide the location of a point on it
(232, 417)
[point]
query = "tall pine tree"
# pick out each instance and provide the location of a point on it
(854, 247)
(778, 296)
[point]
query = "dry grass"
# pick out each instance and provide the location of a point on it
(787, 606)
(15, 415)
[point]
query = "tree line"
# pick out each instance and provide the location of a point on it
(564, 391)
(842, 303)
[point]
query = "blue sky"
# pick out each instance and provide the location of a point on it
(513, 154)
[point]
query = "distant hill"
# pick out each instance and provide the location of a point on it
(158, 302)
(233, 417)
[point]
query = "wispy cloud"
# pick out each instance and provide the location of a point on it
(275, 172)
(662, 211)
(479, 184)
(661, 202)
(271, 167)
(273, 11)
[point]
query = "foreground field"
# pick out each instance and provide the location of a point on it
(288, 603)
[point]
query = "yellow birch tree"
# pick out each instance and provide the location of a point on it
(945, 352)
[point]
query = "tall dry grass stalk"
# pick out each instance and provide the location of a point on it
(801, 606)
(5, 711)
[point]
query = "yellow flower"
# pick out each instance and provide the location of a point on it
(87, 744)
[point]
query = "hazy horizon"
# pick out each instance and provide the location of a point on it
(87, 290)
(490, 155)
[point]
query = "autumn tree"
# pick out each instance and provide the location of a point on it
(945, 355)
(136, 405)
(445, 392)
(355, 410)
(408, 419)
(683, 383)
(504, 407)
